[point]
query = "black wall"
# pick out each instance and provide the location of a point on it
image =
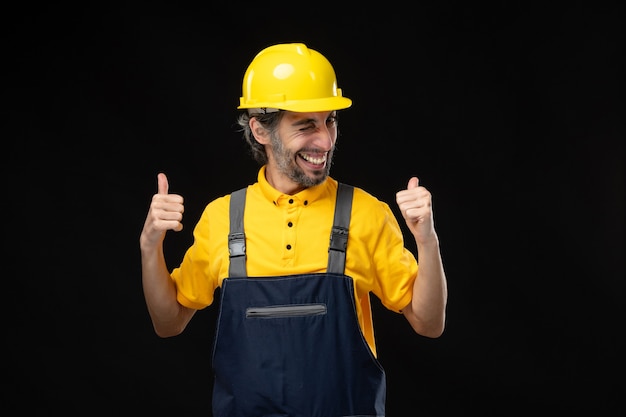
(512, 115)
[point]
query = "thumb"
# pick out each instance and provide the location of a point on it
(163, 185)
(413, 183)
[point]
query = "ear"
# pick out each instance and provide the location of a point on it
(260, 133)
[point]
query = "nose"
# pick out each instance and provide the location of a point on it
(326, 138)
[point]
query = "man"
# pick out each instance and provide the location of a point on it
(295, 256)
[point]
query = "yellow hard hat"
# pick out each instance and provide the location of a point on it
(291, 77)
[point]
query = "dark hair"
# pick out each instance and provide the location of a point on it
(269, 121)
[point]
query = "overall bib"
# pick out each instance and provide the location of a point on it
(291, 346)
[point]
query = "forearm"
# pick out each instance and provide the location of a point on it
(427, 310)
(168, 316)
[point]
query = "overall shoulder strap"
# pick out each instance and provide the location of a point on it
(237, 237)
(339, 233)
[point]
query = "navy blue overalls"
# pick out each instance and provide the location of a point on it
(291, 346)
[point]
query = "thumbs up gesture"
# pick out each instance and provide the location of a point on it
(415, 204)
(165, 213)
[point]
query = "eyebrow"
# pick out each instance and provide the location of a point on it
(309, 120)
(303, 122)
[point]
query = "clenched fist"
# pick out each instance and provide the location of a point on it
(415, 204)
(165, 213)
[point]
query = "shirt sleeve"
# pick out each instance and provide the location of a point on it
(385, 264)
(206, 260)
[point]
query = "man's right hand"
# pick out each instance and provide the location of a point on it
(165, 213)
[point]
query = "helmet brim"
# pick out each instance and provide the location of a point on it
(303, 106)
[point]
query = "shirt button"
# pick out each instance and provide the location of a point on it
(291, 201)
(289, 224)
(288, 247)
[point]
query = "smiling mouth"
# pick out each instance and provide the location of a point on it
(317, 160)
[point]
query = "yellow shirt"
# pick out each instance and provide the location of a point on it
(289, 234)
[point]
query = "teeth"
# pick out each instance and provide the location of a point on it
(313, 160)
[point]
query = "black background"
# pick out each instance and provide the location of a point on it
(511, 114)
